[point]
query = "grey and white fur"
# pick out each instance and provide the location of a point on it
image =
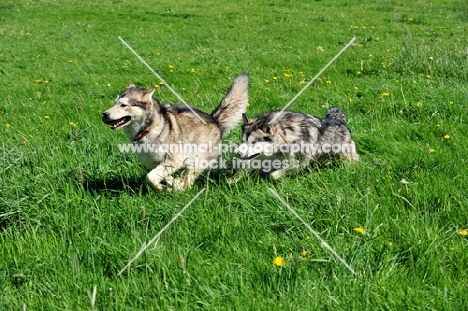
(293, 140)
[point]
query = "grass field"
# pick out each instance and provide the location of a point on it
(71, 205)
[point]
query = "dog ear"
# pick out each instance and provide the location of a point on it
(131, 86)
(246, 119)
(267, 128)
(148, 95)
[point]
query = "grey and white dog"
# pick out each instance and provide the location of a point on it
(167, 138)
(277, 141)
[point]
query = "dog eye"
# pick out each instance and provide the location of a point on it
(123, 105)
(266, 138)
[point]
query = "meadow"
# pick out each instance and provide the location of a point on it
(74, 210)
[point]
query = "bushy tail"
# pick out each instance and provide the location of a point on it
(336, 113)
(229, 112)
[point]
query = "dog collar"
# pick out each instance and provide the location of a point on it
(141, 135)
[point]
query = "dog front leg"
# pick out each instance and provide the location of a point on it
(160, 173)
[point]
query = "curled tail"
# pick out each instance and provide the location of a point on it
(335, 113)
(234, 104)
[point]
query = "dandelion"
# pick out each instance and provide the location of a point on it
(428, 76)
(248, 105)
(70, 60)
(320, 48)
(171, 67)
(305, 253)
(359, 73)
(192, 70)
(356, 88)
(38, 80)
(46, 117)
(431, 150)
(287, 75)
(419, 104)
(384, 94)
(302, 82)
(71, 123)
(447, 136)
(450, 102)
(329, 82)
(275, 78)
(44, 102)
(301, 73)
(7, 124)
(359, 230)
(463, 232)
(46, 81)
(389, 243)
(266, 81)
(278, 261)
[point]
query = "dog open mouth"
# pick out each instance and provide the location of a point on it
(250, 157)
(115, 124)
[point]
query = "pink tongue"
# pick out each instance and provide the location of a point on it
(116, 123)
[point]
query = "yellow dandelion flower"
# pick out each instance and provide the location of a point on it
(385, 94)
(389, 243)
(450, 102)
(38, 80)
(301, 73)
(463, 232)
(431, 150)
(359, 230)
(44, 102)
(156, 86)
(248, 104)
(70, 61)
(305, 253)
(447, 136)
(287, 75)
(302, 82)
(419, 104)
(329, 82)
(46, 81)
(266, 81)
(171, 70)
(192, 70)
(359, 73)
(171, 67)
(275, 78)
(161, 83)
(278, 261)
(428, 76)
(7, 124)
(320, 48)
(46, 117)
(71, 123)
(356, 88)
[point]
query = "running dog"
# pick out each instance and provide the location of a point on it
(276, 141)
(168, 138)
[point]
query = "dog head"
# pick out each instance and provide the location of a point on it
(132, 106)
(258, 138)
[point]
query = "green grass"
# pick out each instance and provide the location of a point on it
(71, 204)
